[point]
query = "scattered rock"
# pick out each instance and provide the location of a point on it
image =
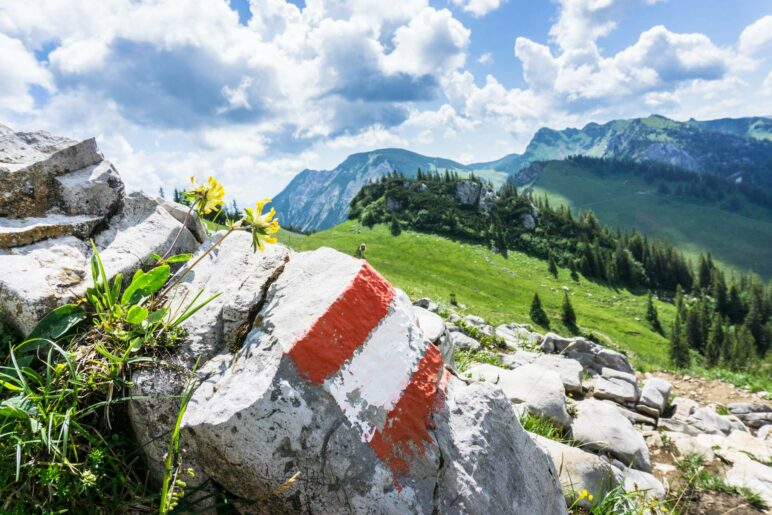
(570, 370)
(599, 426)
(654, 396)
(752, 415)
(426, 303)
(617, 390)
(467, 192)
(639, 481)
(461, 341)
(747, 473)
(430, 323)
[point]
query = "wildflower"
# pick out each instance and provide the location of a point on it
(583, 494)
(88, 478)
(205, 197)
(263, 226)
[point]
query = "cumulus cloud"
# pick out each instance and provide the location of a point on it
(477, 7)
(485, 58)
(21, 71)
(757, 36)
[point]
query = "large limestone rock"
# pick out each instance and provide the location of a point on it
(539, 389)
(241, 278)
(570, 370)
(599, 426)
(579, 470)
(591, 355)
(430, 323)
(753, 415)
(467, 192)
(337, 382)
(617, 390)
(748, 473)
(654, 396)
(638, 481)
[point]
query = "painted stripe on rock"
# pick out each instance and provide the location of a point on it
(336, 335)
(407, 425)
(369, 386)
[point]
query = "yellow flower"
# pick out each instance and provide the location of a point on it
(584, 493)
(590, 497)
(205, 197)
(263, 226)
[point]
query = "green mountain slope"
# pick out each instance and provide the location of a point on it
(497, 288)
(739, 239)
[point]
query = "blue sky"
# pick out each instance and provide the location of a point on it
(253, 91)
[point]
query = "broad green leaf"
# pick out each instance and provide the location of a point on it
(58, 322)
(117, 282)
(179, 258)
(156, 316)
(144, 285)
(136, 314)
(156, 256)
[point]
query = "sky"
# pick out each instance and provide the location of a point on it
(254, 91)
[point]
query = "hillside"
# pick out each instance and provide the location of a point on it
(720, 219)
(740, 149)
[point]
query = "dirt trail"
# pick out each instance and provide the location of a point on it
(707, 391)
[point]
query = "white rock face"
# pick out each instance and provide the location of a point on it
(463, 342)
(539, 389)
(751, 474)
(617, 390)
(639, 481)
(706, 420)
(654, 396)
(579, 470)
(570, 370)
(599, 426)
(752, 414)
(686, 444)
(430, 323)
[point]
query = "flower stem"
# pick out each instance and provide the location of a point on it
(197, 261)
(184, 226)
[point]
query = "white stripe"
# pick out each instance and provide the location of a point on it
(370, 384)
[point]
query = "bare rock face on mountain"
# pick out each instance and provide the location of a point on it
(56, 195)
(338, 382)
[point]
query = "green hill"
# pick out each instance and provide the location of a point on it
(735, 230)
(497, 288)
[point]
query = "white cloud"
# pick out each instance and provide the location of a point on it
(485, 58)
(757, 36)
(21, 71)
(478, 7)
(370, 139)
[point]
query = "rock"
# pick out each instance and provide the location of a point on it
(554, 343)
(752, 414)
(487, 199)
(467, 192)
(430, 323)
(180, 213)
(241, 277)
(599, 426)
(461, 341)
(684, 407)
(686, 444)
(612, 359)
(747, 473)
(94, 190)
(610, 373)
(538, 388)
(679, 426)
(17, 232)
(765, 433)
(527, 221)
(426, 303)
(654, 395)
(515, 336)
(446, 350)
(638, 481)
(570, 370)
(589, 354)
(360, 405)
(474, 321)
(579, 470)
(745, 443)
(393, 204)
(519, 358)
(46, 274)
(706, 420)
(617, 390)
(491, 464)
(636, 418)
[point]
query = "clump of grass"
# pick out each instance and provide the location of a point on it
(544, 427)
(634, 502)
(693, 470)
(465, 358)
(487, 341)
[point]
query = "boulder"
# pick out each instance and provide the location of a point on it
(430, 323)
(610, 373)
(591, 355)
(745, 443)
(570, 370)
(686, 444)
(516, 336)
(241, 278)
(17, 232)
(748, 473)
(612, 359)
(487, 199)
(528, 221)
(765, 433)
(579, 470)
(338, 383)
(519, 358)
(706, 420)
(461, 341)
(467, 192)
(654, 396)
(94, 190)
(426, 303)
(752, 414)
(638, 481)
(554, 343)
(191, 221)
(683, 407)
(636, 418)
(617, 390)
(539, 389)
(599, 426)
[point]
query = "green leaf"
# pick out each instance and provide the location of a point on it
(179, 258)
(156, 256)
(58, 323)
(156, 316)
(117, 282)
(136, 314)
(144, 285)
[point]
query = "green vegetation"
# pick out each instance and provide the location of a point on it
(499, 289)
(722, 218)
(698, 477)
(544, 427)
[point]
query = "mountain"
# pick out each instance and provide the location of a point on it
(740, 149)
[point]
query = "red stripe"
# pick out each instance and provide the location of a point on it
(407, 424)
(344, 327)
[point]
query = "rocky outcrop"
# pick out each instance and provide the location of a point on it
(58, 194)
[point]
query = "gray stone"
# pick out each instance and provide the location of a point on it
(765, 433)
(752, 414)
(748, 473)
(706, 420)
(474, 321)
(617, 390)
(655, 394)
(17, 232)
(491, 464)
(570, 370)
(599, 426)
(461, 341)
(191, 221)
(528, 222)
(579, 470)
(538, 388)
(613, 359)
(639, 481)
(487, 199)
(745, 443)
(610, 373)
(636, 418)
(467, 192)
(430, 323)
(555, 343)
(677, 426)
(426, 303)
(686, 444)
(683, 407)
(94, 190)
(519, 358)
(516, 336)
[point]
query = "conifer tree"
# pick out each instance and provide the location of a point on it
(744, 349)
(679, 347)
(551, 266)
(567, 313)
(538, 315)
(652, 317)
(395, 227)
(694, 335)
(716, 341)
